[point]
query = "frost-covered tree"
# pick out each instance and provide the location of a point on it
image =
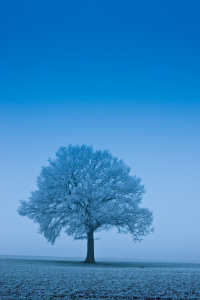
(84, 191)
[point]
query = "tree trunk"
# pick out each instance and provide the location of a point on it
(90, 248)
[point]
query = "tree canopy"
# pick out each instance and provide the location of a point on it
(83, 191)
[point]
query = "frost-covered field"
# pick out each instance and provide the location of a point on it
(48, 279)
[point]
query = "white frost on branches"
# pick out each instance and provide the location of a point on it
(84, 191)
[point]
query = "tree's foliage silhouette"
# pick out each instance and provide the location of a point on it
(83, 191)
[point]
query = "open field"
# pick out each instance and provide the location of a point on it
(54, 279)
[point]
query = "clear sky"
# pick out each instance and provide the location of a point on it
(118, 75)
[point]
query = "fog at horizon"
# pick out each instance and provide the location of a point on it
(123, 77)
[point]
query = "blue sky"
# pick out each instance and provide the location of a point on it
(122, 76)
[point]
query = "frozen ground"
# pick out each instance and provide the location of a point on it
(54, 279)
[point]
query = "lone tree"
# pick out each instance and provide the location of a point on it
(84, 191)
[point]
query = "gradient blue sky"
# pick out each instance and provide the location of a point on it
(118, 75)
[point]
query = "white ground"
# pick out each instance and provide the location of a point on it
(43, 279)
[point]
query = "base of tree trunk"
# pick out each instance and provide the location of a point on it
(88, 261)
